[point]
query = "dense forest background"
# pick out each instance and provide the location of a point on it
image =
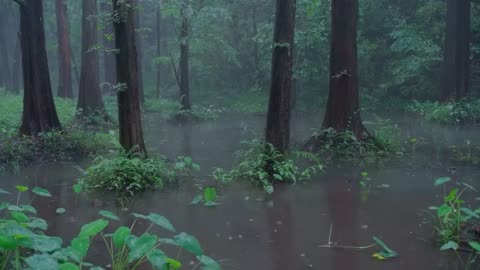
(400, 49)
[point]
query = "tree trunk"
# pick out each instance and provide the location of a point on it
(89, 95)
(64, 53)
(139, 46)
(39, 114)
(159, 49)
(5, 77)
(184, 51)
(457, 51)
(343, 109)
(109, 68)
(278, 117)
(129, 114)
(16, 68)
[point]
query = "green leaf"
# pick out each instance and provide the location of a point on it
(108, 214)
(41, 192)
(4, 205)
(444, 210)
(197, 199)
(3, 191)
(212, 204)
(44, 243)
(140, 246)
(189, 243)
(208, 263)
(278, 177)
(210, 194)
(188, 161)
(38, 223)
(469, 212)
(29, 208)
(20, 217)
(475, 246)
(77, 188)
(441, 181)
(452, 195)
(80, 245)
(269, 189)
(196, 167)
(157, 220)
(93, 228)
(387, 252)
(60, 211)
(68, 266)
(120, 235)
(173, 264)
(42, 262)
(21, 188)
(157, 258)
(449, 245)
(7, 242)
(15, 208)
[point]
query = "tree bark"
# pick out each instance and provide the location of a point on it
(16, 67)
(184, 58)
(39, 114)
(129, 114)
(457, 51)
(64, 53)
(278, 117)
(89, 95)
(139, 46)
(5, 77)
(110, 72)
(343, 108)
(159, 49)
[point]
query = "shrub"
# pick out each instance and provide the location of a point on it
(454, 112)
(263, 165)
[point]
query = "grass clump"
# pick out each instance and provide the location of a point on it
(263, 165)
(451, 113)
(127, 173)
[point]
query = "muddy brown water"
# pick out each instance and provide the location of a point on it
(284, 231)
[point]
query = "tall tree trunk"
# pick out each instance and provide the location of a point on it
(109, 68)
(457, 51)
(184, 51)
(39, 114)
(343, 108)
(129, 114)
(159, 48)
(278, 117)
(89, 95)
(16, 67)
(64, 53)
(139, 46)
(5, 77)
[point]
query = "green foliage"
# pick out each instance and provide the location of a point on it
(261, 164)
(25, 245)
(451, 113)
(209, 197)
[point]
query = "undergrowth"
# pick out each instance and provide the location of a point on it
(451, 113)
(263, 165)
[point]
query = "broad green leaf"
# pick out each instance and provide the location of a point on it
(452, 195)
(278, 177)
(196, 167)
(197, 199)
(68, 266)
(15, 208)
(41, 192)
(157, 220)
(208, 263)
(42, 262)
(444, 210)
(157, 258)
(4, 205)
(20, 217)
(60, 211)
(80, 245)
(475, 246)
(38, 223)
(21, 188)
(141, 246)
(387, 252)
(441, 181)
(189, 243)
(93, 228)
(210, 194)
(29, 208)
(168, 241)
(43, 243)
(7, 242)
(108, 214)
(3, 191)
(173, 264)
(449, 245)
(120, 235)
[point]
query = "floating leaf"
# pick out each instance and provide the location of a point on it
(441, 181)
(108, 214)
(41, 192)
(21, 188)
(189, 243)
(449, 245)
(60, 211)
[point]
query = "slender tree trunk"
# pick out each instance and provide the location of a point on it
(184, 55)
(129, 114)
(278, 117)
(139, 46)
(110, 71)
(457, 51)
(343, 109)
(16, 67)
(159, 48)
(256, 57)
(64, 53)
(89, 95)
(5, 75)
(39, 114)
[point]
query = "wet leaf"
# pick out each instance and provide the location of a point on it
(387, 252)
(80, 245)
(449, 245)
(93, 228)
(60, 211)
(3, 191)
(141, 246)
(68, 266)
(7, 242)
(197, 199)
(20, 217)
(120, 235)
(208, 263)
(210, 194)
(475, 246)
(441, 181)
(38, 223)
(157, 220)
(44, 243)
(452, 195)
(42, 262)
(77, 188)
(157, 258)
(444, 210)
(29, 208)
(21, 188)
(41, 192)
(173, 264)
(189, 243)
(15, 208)
(469, 212)
(196, 167)
(108, 214)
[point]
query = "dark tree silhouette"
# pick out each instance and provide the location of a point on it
(139, 46)
(5, 75)
(184, 57)
(278, 117)
(129, 114)
(457, 51)
(64, 52)
(39, 114)
(110, 72)
(89, 94)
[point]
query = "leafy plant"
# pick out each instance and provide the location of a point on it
(386, 253)
(451, 113)
(209, 197)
